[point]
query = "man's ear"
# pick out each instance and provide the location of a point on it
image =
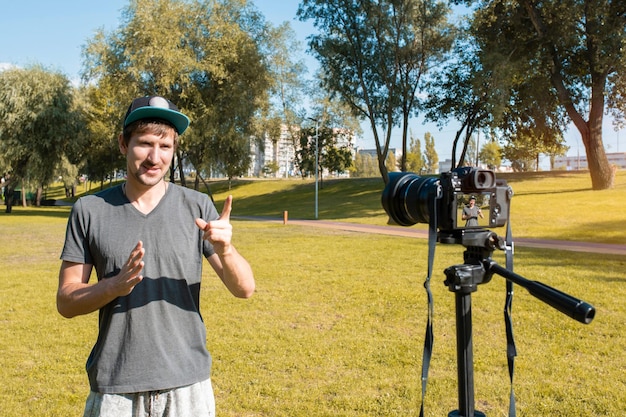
(122, 145)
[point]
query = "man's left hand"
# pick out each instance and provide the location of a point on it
(219, 232)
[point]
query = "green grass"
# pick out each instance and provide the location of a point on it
(336, 326)
(555, 205)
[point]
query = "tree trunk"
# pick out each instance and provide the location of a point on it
(39, 196)
(8, 197)
(600, 170)
(405, 127)
(24, 204)
(181, 171)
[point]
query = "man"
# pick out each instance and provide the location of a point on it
(146, 239)
(471, 213)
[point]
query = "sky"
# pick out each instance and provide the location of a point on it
(52, 33)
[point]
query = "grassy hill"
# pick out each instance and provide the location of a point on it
(548, 205)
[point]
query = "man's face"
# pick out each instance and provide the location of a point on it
(148, 157)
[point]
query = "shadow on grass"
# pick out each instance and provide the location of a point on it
(537, 175)
(596, 231)
(550, 192)
(336, 199)
(57, 212)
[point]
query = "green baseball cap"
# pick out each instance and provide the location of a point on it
(156, 107)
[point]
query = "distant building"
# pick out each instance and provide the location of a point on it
(373, 154)
(445, 165)
(572, 163)
(283, 153)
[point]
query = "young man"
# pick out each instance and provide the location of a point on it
(146, 239)
(471, 213)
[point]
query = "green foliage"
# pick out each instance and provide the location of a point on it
(415, 161)
(331, 156)
(337, 159)
(468, 92)
(560, 55)
(391, 162)
(374, 54)
(490, 154)
(271, 169)
(100, 155)
(430, 154)
(210, 64)
(364, 166)
(287, 82)
(38, 123)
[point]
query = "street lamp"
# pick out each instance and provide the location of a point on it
(316, 161)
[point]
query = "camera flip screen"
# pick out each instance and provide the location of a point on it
(473, 210)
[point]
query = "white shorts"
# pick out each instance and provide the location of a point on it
(195, 400)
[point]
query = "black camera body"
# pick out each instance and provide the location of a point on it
(409, 199)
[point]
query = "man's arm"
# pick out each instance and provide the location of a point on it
(75, 296)
(230, 266)
(235, 273)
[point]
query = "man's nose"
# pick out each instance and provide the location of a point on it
(154, 154)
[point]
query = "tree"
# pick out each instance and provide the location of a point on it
(415, 158)
(271, 169)
(570, 53)
(287, 82)
(430, 154)
(38, 124)
(374, 54)
(68, 173)
(99, 156)
(210, 64)
(523, 156)
(337, 159)
(330, 155)
(392, 162)
(490, 154)
(365, 165)
(468, 91)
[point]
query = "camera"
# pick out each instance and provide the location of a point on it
(409, 199)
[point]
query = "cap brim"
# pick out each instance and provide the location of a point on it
(179, 120)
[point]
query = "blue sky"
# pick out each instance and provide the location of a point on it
(52, 33)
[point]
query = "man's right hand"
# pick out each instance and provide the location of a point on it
(75, 296)
(130, 274)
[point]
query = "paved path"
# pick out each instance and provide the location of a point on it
(588, 247)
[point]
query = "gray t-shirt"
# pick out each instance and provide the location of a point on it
(472, 215)
(154, 338)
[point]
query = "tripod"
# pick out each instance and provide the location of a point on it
(478, 268)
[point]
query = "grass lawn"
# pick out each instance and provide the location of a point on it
(336, 326)
(557, 205)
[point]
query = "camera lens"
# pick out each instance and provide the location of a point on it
(407, 196)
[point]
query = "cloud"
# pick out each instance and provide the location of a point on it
(6, 66)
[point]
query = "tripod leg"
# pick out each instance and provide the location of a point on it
(465, 356)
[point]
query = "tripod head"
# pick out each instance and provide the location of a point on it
(479, 268)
